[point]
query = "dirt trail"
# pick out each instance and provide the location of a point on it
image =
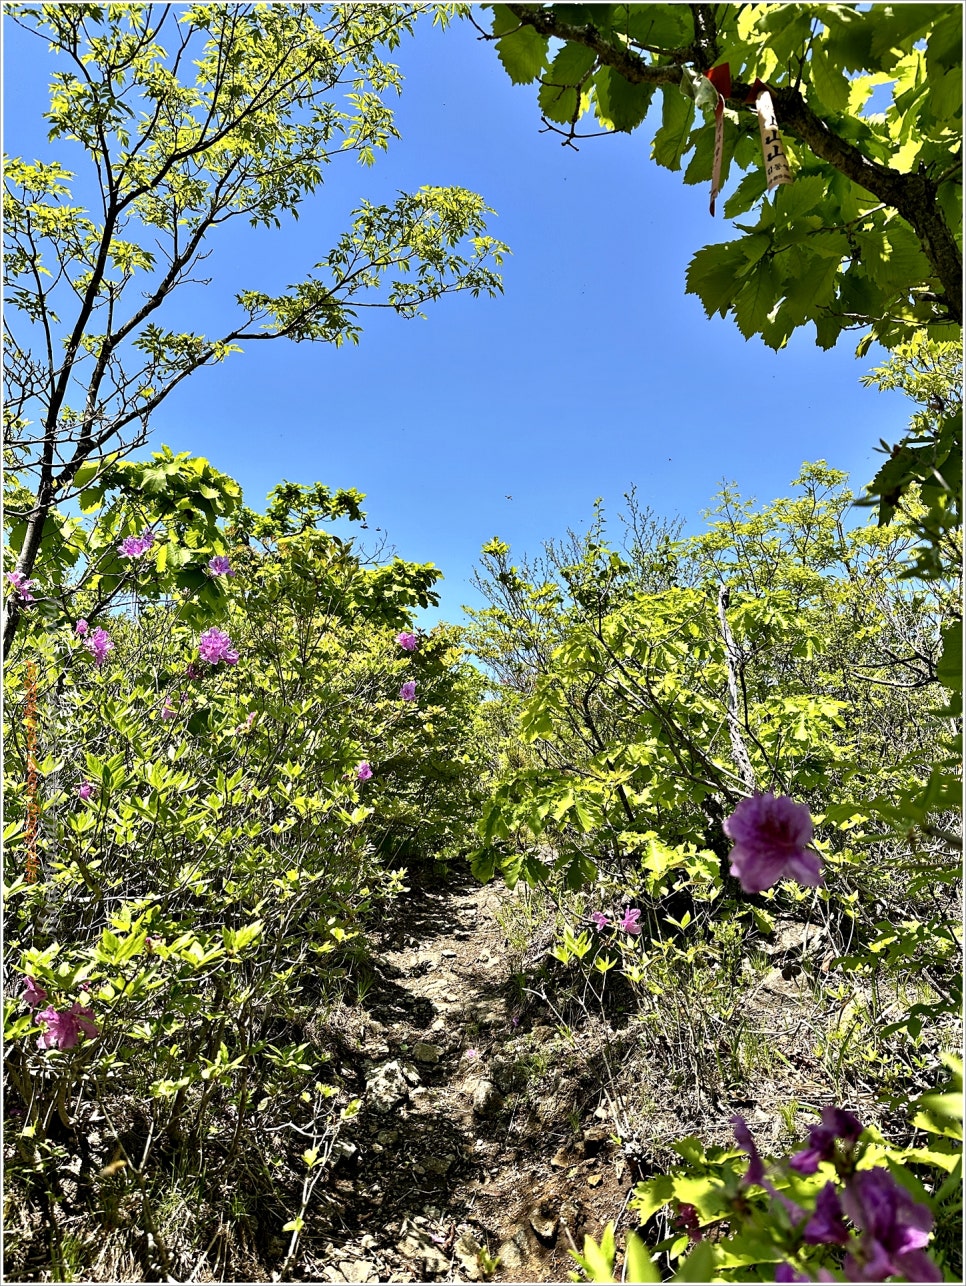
(450, 1156)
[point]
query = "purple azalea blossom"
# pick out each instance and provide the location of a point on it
(192, 671)
(33, 994)
(827, 1225)
(600, 920)
(99, 643)
(771, 835)
(756, 1168)
(135, 546)
(688, 1220)
(406, 641)
(81, 628)
(22, 586)
(85, 790)
(631, 921)
(894, 1230)
(214, 646)
(169, 711)
(65, 1026)
(220, 566)
(785, 1272)
(755, 1174)
(836, 1124)
(408, 691)
(364, 771)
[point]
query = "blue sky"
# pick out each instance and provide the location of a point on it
(594, 371)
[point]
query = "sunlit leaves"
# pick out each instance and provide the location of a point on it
(887, 276)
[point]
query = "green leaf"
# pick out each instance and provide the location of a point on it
(638, 1266)
(699, 1265)
(571, 65)
(522, 51)
(748, 192)
(652, 1194)
(620, 105)
(755, 300)
(828, 79)
(483, 864)
(711, 275)
(677, 115)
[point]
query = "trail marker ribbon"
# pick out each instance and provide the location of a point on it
(720, 78)
(772, 149)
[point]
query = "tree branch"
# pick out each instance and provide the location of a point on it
(913, 196)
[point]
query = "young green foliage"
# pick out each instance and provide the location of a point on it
(189, 117)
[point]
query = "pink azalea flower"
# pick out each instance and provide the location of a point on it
(214, 646)
(894, 1230)
(472, 1053)
(631, 921)
(785, 1272)
(827, 1226)
(771, 835)
(81, 627)
(192, 671)
(85, 790)
(836, 1124)
(408, 691)
(99, 644)
(22, 586)
(688, 1220)
(134, 546)
(64, 1027)
(33, 994)
(406, 641)
(755, 1174)
(220, 566)
(600, 920)
(169, 711)
(364, 771)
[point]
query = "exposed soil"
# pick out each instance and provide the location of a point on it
(450, 1156)
(505, 1113)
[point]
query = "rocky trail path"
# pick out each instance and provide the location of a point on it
(450, 1164)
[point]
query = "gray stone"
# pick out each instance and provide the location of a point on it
(388, 1137)
(438, 1165)
(386, 1088)
(543, 1224)
(509, 1256)
(361, 1271)
(418, 1246)
(595, 1139)
(423, 1052)
(487, 1099)
(467, 1254)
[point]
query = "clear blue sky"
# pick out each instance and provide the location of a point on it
(594, 371)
